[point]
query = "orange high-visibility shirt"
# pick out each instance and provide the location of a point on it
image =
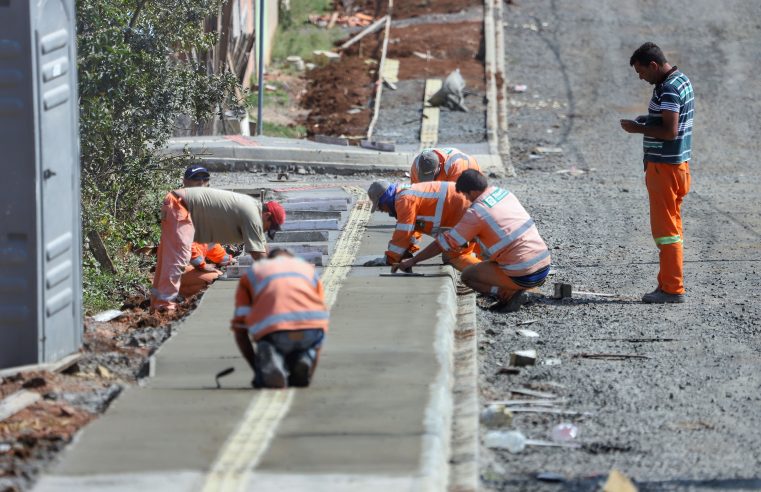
(283, 293)
(425, 208)
(214, 252)
(504, 231)
(452, 163)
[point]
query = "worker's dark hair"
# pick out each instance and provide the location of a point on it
(647, 53)
(274, 253)
(471, 180)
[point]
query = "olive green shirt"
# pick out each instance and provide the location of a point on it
(221, 216)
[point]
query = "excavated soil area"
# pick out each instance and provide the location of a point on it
(405, 9)
(340, 96)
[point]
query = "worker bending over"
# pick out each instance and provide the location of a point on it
(207, 215)
(427, 208)
(518, 258)
(205, 258)
(280, 306)
(442, 164)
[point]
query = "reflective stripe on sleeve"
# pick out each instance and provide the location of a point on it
(396, 249)
(419, 194)
(405, 227)
(294, 316)
(242, 311)
(451, 160)
(668, 240)
(440, 205)
(457, 237)
(443, 242)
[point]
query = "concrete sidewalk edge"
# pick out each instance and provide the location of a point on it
(434, 462)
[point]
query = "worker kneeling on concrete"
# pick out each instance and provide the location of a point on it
(280, 307)
(207, 215)
(426, 208)
(441, 164)
(518, 258)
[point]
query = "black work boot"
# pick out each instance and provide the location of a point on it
(301, 371)
(512, 304)
(270, 366)
(659, 297)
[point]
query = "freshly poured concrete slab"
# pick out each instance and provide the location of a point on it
(375, 418)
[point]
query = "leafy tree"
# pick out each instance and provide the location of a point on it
(137, 75)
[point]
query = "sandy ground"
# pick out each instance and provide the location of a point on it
(690, 411)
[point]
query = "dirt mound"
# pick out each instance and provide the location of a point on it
(338, 95)
(404, 9)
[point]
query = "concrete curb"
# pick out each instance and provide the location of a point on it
(438, 415)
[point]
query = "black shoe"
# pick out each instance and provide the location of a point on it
(512, 304)
(659, 297)
(270, 366)
(301, 372)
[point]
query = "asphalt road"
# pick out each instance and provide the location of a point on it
(691, 411)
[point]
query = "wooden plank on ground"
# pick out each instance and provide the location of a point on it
(429, 128)
(16, 402)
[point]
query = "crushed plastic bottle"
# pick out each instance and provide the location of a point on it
(496, 415)
(564, 432)
(513, 441)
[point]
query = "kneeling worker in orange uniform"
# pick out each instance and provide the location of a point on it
(441, 164)
(426, 208)
(280, 307)
(207, 215)
(518, 258)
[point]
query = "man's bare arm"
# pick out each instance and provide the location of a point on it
(668, 130)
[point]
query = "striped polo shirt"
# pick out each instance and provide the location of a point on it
(673, 94)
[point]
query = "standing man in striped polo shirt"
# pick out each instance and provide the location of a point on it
(667, 141)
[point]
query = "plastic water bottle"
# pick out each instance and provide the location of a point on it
(564, 432)
(513, 441)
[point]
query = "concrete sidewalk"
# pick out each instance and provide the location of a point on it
(377, 417)
(238, 153)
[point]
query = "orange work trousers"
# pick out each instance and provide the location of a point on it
(461, 259)
(667, 184)
(177, 233)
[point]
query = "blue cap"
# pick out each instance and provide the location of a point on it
(196, 172)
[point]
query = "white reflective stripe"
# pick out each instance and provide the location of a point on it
(420, 194)
(533, 261)
(504, 242)
(451, 159)
(440, 205)
(484, 250)
(251, 277)
(443, 242)
(405, 227)
(162, 297)
(457, 237)
(427, 218)
(297, 316)
(210, 245)
(414, 240)
(196, 261)
(486, 216)
(266, 280)
(396, 249)
(242, 311)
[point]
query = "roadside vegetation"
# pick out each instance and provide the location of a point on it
(135, 80)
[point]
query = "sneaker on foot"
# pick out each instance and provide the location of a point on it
(301, 371)
(512, 304)
(660, 297)
(271, 366)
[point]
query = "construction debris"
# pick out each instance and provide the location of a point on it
(618, 482)
(527, 333)
(530, 392)
(521, 358)
(375, 26)
(496, 415)
(328, 21)
(451, 94)
(16, 402)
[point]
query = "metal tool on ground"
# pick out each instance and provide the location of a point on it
(223, 373)
(515, 441)
(411, 274)
(585, 355)
(530, 392)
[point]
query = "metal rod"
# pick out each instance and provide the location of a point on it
(260, 101)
